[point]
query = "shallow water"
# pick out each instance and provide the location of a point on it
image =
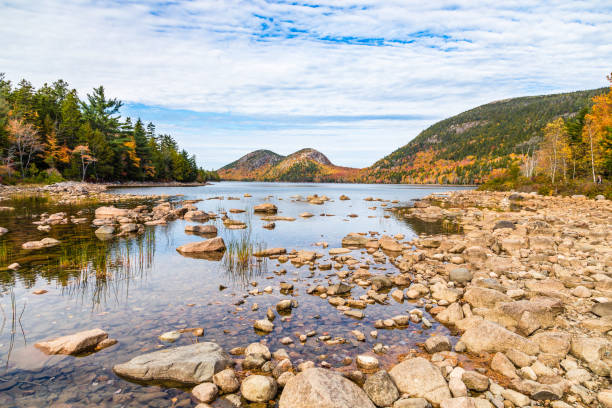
(137, 288)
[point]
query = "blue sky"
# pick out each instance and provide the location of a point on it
(355, 79)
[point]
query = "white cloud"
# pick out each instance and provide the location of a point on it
(279, 58)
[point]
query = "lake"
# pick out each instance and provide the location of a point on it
(137, 288)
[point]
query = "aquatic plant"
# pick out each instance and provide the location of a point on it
(239, 260)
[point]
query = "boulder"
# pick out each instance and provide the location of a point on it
(193, 364)
(226, 380)
(210, 245)
(270, 252)
(437, 343)
(417, 377)
(317, 387)
(590, 349)
(43, 243)
(381, 389)
(205, 392)
(602, 309)
(354, 239)
(201, 229)
(460, 275)
(267, 208)
(110, 212)
(483, 297)
(73, 344)
(258, 388)
(486, 336)
(389, 244)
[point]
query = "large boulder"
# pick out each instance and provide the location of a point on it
(193, 364)
(73, 344)
(321, 388)
(486, 336)
(417, 377)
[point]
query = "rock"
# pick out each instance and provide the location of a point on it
(605, 398)
(284, 378)
(389, 244)
(503, 365)
(210, 245)
(258, 388)
(418, 377)
(437, 343)
(201, 229)
(226, 380)
(411, 403)
(258, 349)
(590, 349)
(344, 197)
(475, 381)
(557, 343)
(465, 402)
(317, 387)
(205, 392)
(284, 305)
(486, 336)
(264, 325)
(581, 292)
(43, 243)
(170, 336)
(105, 231)
(381, 389)
(267, 208)
(270, 252)
(367, 362)
(339, 251)
(193, 364)
(306, 215)
(338, 289)
(602, 309)
(460, 275)
(73, 344)
(457, 388)
(483, 297)
(14, 266)
(516, 398)
(354, 240)
(504, 224)
(110, 212)
(129, 228)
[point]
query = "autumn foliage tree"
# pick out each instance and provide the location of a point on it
(52, 129)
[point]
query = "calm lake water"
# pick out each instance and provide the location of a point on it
(138, 288)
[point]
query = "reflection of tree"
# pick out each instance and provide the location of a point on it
(419, 226)
(100, 271)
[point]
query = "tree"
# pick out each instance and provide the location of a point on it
(86, 158)
(553, 151)
(100, 112)
(598, 125)
(25, 143)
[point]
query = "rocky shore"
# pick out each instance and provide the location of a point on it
(525, 286)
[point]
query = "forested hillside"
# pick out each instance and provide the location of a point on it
(49, 133)
(467, 147)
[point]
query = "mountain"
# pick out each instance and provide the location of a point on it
(467, 147)
(306, 165)
(251, 165)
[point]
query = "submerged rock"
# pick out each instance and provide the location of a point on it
(201, 229)
(321, 388)
(73, 344)
(43, 243)
(193, 364)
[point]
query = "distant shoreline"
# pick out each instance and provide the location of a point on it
(340, 182)
(134, 184)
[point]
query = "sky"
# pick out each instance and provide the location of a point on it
(355, 79)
